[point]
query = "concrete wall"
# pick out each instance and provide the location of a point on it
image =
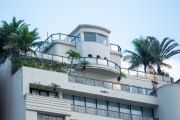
(115, 57)
(18, 102)
(169, 102)
(5, 88)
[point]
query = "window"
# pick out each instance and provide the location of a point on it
(113, 106)
(134, 89)
(147, 112)
(99, 83)
(102, 104)
(142, 91)
(124, 108)
(80, 80)
(68, 97)
(91, 103)
(35, 92)
(108, 85)
(125, 88)
(48, 117)
(44, 93)
(89, 82)
(101, 39)
(117, 86)
(53, 94)
(79, 101)
(90, 36)
(148, 91)
(136, 110)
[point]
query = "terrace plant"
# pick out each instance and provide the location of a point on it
(37, 85)
(55, 86)
(120, 75)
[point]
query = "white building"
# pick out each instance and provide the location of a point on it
(93, 94)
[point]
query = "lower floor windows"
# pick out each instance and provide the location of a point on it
(92, 106)
(48, 117)
(44, 93)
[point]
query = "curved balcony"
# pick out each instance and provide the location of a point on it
(97, 63)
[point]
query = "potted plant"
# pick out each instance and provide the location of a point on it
(84, 64)
(36, 85)
(55, 86)
(90, 55)
(120, 76)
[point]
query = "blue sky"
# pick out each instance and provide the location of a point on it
(127, 19)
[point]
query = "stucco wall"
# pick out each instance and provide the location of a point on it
(169, 102)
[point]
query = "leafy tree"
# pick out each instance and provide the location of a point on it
(141, 56)
(161, 51)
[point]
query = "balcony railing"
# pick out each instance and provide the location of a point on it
(109, 85)
(114, 47)
(108, 113)
(102, 63)
(57, 36)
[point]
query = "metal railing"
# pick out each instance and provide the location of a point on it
(109, 113)
(109, 85)
(114, 47)
(101, 63)
(57, 36)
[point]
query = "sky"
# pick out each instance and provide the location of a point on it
(127, 19)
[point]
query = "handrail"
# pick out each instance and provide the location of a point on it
(63, 59)
(112, 87)
(108, 114)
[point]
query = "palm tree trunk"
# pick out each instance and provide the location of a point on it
(145, 68)
(158, 68)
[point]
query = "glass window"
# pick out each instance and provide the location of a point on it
(91, 103)
(79, 101)
(102, 38)
(46, 117)
(80, 80)
(142, 91)
(108, 85)
(147, 112)
(124, 108)
(89, 82)
(113, 106)
(125, 88)
(134, 89)
(90, 36)
(52, 94)
(43, 93)
(35, 92)
(99, 83)
(136, 110)
(68, 97)
(102, 104)
(148, 91)
(117, 86)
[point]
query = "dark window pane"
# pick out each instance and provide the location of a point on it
(134, 89)
(136, 110)
(101, 104)
(108, 85)
(148, 91)
(124, 108)
(147, 112)
(91, 103)
(102, 39)
(90, 37)
(80, 80)
(125, 88)
(52, 94)
(68, 97)
(35, 92)
(79, 101)
(113, 106)
(43, 93)
(99, 83)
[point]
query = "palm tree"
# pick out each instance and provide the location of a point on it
(141, 55)
(161, 51)
(27, 40)
(9, 33)
(72, 55)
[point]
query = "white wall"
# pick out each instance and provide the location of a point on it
(169, 102)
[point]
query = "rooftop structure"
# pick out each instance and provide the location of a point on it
(90, 94)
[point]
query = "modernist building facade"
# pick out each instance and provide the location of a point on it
(93, 94)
